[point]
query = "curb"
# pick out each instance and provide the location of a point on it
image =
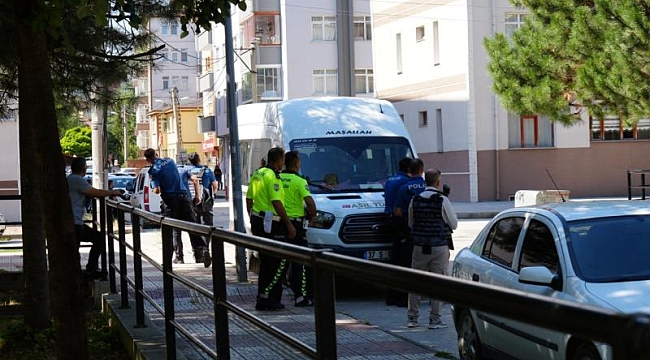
(147, 343)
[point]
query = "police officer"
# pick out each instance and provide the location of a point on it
(269, 219)
(208, 180)
(392, 224)
(296, 196)
(402, 250)
(166, 181)
(431, 219)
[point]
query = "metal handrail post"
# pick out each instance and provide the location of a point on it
(629, 184)
(102, 232)
(124, 285)
(324, 310)
(111, 259)
(222, 336)
(168, 291)
(137, 271)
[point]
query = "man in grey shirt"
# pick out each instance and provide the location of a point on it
(79, 189)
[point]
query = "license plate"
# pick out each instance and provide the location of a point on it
(379, 255)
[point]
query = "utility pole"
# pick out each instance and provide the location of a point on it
(240, 254)
(125, 124)
(98, 139)
(177, 122)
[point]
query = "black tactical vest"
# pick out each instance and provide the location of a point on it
(429, 229)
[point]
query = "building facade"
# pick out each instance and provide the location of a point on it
(174, 68)
(430, 62)
(285, 49)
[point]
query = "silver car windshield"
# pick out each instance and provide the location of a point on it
(611, 249)
(348, 164)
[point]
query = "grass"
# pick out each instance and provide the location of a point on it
(17, 342)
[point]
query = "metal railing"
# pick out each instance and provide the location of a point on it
(629, 335)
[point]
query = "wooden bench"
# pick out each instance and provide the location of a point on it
(632, 185)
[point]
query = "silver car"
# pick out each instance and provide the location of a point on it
(595, 252)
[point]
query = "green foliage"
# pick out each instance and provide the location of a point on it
(18, 342)
(575, 55)
(77, 141)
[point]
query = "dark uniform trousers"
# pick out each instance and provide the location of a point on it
(272, 269)
(179, 207)
(300, 278)
(401, 255)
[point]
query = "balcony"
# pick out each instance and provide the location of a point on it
(206, 82)
(204, 41)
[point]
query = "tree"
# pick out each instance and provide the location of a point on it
(572, 56)
(41, 37)
(77, 141)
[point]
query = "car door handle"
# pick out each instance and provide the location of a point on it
(475, 277)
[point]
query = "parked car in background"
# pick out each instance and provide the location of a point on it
(142, 196)
(593, 253)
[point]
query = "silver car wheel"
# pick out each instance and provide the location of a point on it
(469, 344)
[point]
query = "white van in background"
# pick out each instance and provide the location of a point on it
(359, 141)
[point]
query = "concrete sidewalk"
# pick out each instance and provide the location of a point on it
(366, 328)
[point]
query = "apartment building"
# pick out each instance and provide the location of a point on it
(286, 49)
(176, 67)
(429, 60)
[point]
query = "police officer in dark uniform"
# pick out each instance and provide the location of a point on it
(296, 196)
(269, 219)
(403, 248)
(392, 224)
(166, 181)
(204, 214)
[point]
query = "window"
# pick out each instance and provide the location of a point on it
(184, 55)
(207, 64)
(612, 128)
(323, 28)
(530, 131)
(364, 81)
(165, 55)
(514, 22)
(362, 28)
(502, 240)
(185, 82)
(164, 29)
(143, 139)
(398, 49)
(423, 121)
(268, 83)
(165, 80)
(174, 29)
(174, 56)
(419, 33)
(539, 247)
(265, 29)
(175, 81)
(325, 81)
(436, 44)
(439, 130)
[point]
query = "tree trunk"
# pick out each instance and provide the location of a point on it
(37, 115)
(36, 304)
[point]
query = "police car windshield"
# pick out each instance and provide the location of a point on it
(350, 164)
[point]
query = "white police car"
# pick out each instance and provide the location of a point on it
(591, 252)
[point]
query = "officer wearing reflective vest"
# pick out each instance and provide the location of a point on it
(296, 196)
(431, 219)
(269, 220)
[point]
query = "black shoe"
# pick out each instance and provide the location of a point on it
(178, 261)
(206, 259)
(267, 304)
(303, 302)
(93, 274)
